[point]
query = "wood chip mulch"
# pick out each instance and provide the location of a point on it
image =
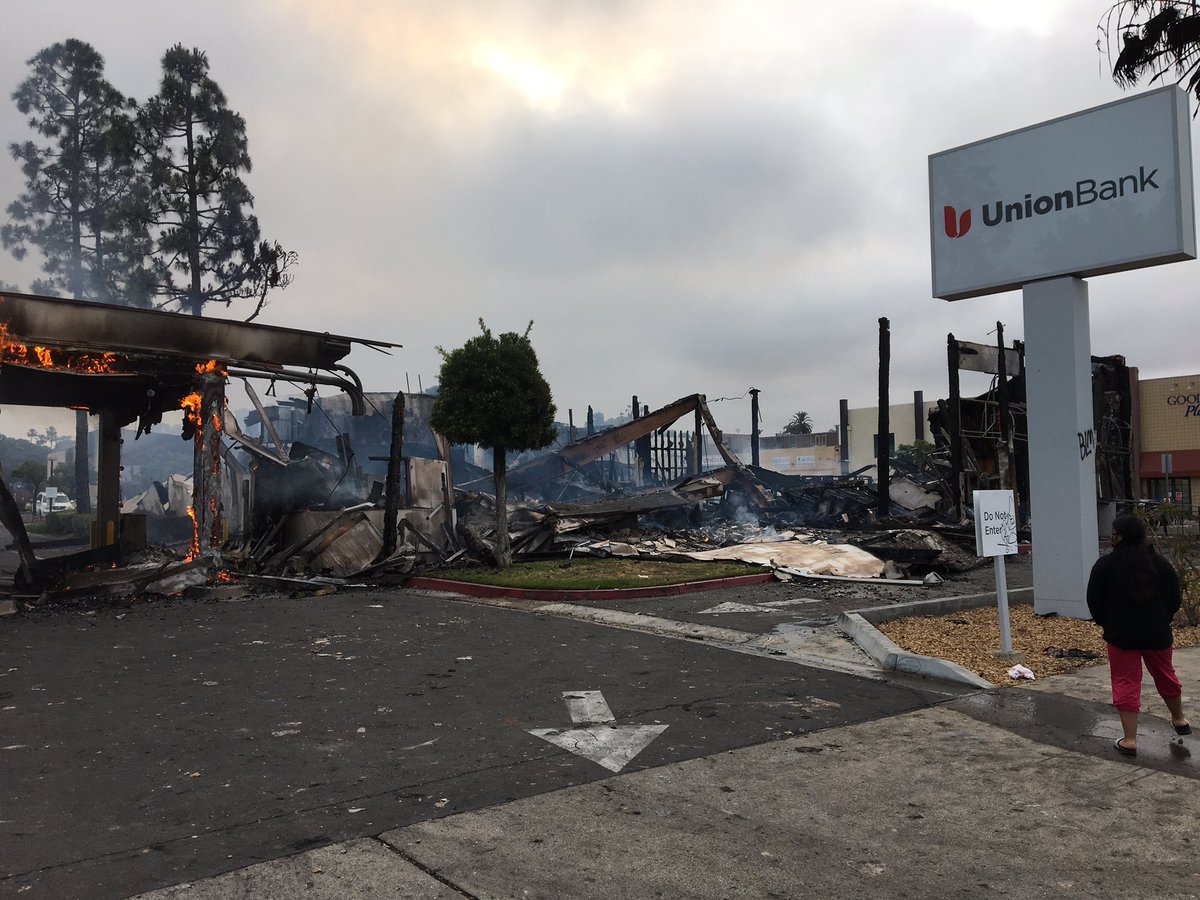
(971, 638)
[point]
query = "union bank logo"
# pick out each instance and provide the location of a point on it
(1084, 192)
(956, 225)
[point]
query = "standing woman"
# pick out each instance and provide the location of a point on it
(1133, 594)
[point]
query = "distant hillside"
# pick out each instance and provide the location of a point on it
(152, 457)
(14, 451)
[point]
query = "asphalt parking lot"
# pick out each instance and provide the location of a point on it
(151, 744)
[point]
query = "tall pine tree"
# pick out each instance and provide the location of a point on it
(207, 243)
(73, 208)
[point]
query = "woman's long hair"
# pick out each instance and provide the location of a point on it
(1143, 580)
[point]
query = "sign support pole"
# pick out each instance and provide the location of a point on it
(1002, 603)
(1062, 444)
(996, 536)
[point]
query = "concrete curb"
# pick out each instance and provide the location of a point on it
(940, 606)
(470, 589)
(859, 626)
(778, 647)
(893, 658)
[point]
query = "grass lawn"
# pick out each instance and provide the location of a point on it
(588, 574)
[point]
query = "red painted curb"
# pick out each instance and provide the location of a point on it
(662, 590)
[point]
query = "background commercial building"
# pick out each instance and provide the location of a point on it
(907, 423)
(1168, 430)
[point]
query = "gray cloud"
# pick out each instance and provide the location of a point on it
(683, 198)
(571, 197)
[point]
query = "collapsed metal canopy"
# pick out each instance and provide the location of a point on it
(124, 363)
(56, 322)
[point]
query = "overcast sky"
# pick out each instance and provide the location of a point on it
(685, 196)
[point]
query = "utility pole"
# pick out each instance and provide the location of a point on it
(883, 463)
(754, 432)
(1007, 482)
(844, 436)
(955, 427)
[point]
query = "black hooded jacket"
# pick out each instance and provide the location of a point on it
(1127, 623)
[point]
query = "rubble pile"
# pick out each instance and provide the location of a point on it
(310, 511)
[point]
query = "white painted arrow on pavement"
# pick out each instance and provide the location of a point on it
(611, 746)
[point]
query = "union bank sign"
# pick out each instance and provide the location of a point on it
(1099, 191)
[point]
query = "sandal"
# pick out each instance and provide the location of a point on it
(1185, 728)
(1122, 749)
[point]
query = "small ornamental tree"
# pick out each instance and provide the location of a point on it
(492, 393)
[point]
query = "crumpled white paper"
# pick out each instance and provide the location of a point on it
(1021, 672)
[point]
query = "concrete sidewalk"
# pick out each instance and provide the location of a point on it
(1009, 792)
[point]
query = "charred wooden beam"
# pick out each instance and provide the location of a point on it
(391, 505)
(127, 396)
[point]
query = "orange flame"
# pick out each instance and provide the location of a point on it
(191, 405)
(105, 362)
(14, 352)
(195, 551)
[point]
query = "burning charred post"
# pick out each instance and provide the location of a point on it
(205, 410)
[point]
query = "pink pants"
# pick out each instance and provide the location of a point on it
(1125, 669)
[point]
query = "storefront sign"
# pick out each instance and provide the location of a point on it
(1189, 404)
